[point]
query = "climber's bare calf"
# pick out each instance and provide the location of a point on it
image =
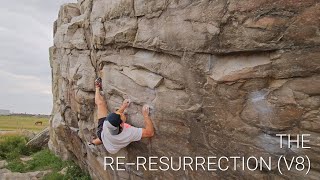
(102, 110)
(101, 104)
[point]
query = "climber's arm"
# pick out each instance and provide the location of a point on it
(124, 105)
(148, 131)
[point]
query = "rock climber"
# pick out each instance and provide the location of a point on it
(113, 131)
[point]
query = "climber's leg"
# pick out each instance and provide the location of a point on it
(96, 141)
(101, 104)
(99, 100)
(101, 109)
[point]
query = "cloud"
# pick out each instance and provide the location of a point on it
(25, 37)
(23, 84)
(24, 93)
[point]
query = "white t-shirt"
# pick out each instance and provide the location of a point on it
(113, 143)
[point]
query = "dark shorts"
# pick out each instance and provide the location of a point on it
(100, 127)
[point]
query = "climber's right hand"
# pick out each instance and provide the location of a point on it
(145, 110)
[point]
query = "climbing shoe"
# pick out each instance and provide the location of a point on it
(98, 82)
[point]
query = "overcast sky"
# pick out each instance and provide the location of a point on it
(25, 37)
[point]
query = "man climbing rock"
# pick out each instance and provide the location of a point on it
(113, 131)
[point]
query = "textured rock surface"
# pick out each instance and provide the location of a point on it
(223, 77)
(6, 174)
(40, 140)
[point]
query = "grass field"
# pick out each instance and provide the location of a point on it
(16, 123)
(12, 148)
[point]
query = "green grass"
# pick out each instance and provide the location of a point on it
(53, 176)
(42, 160)
(74, 172)
(12, 148)
(9, 123)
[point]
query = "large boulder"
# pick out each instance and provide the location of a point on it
(222, 77)
(40, 140)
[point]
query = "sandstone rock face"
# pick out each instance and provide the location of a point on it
(223, 78)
